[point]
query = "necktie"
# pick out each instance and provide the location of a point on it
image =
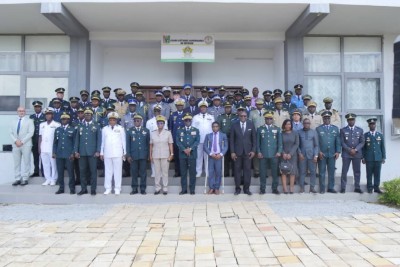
(19, 125)
(112, 127)
(260, 112)
(279, 112)
(215, 143)
(191, 109)
(298, 97)
(204, 116)
(137, 129)
(37, 116)
(242, 128)
(312, 116)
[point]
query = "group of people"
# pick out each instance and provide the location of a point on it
(218, 134)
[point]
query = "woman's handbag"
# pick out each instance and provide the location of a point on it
(286, 167)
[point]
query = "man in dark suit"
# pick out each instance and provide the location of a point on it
(243, 146)
(37, 118)
(192, 107)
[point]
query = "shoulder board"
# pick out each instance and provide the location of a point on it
(334, 110)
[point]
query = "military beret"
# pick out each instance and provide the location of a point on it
(110, 106)
(158, 93)
(222, 88)
(37, 103)
(121, 92)
(139, 93)
(137, 117)
(65, 115)
(160, 118)
(372, 120)
(307, 97)
(298, 86)
(259, 101)
(84, 92)
(267, 92)
(288, 93)
(95, 92)
(227, 104)
(187, 116)
(269, 114)
(106, 89)
(216, 97)
(326, 113)
(327, 100)
(134, 84)
(166, 88)
(80, 110)
(240, 108)
(113, 115)
(60, 90)
(203, 104)
(49, 110)
(247, 98)
(95, 97)
(296, 111)
(132, 102)
(350, 116)
(74, 99)
(278, 100)
(277, 91)
(187, 86)
(56, 100)
(179, 102)
(88, 111)
(157, 107)
(312, 104)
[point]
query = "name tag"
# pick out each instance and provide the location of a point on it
(193, 133)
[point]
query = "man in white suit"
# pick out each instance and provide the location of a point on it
(21, 132)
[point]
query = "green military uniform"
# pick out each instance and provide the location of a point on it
(225, 121)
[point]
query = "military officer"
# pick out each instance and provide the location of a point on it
(166, 90)
(216, 109)
(210, 95)
(121, 106)
(268, 102)
(225, 121)
(374, 155)
(279, 114)
(87, 150)
(60, 95)
(73, 110)
(127, 120)
(297, 98)
(142, 107)
(108, 109)
(296, 119)
(106, 97)
(204, 96)
(137, 147)
(188, 139)
(222, 93)
(329, 150)
(134, 89)
(238, 100)
(277, 93)
(174, 123)
(84, 103)
(306, 99)
(312, 115)
(80, 117)
(57, 109)
(247, 104)
(352, 139)
(269, 149)
(176, 94)
(98, 111)
(257, 116)
(187, 90)
(63, 152)
(165, 108)
(192, 107)
(287, 103)
(38, 117)
(96, 92)
(335, 119)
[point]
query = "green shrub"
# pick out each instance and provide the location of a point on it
(391, 193)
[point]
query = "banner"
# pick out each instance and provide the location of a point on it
(187, 48)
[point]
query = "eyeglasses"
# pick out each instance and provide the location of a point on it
(160, 122)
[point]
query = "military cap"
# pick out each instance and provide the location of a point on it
(110, 106)
(312, 104)
(106, 89)
(84, 92)
(278, 100)
(95, 97)
(326, 113)
(259, 101)
(229, 96)
(187, 86)
(88, 111)
(267, 92)
(245, 91)
(187, 116)
(95, 92)
(227, 104)
(296, 111)
(160, 118)
(350, 116)
(298, 86)
(37, 103)
(203, 104)
(192, 98)
(113, 115)
(166, 88)
(269, 114)
(288, 93)
(139, 93)
(247, 98)
(56, 100)
(132, 102)
(307, 97)
(115, 90)
(134, 84)
(49, 110)
(60, 90)
(277, 91)
(327, 100)
(222, 88)
(158, 93)
(121, 92)
(74, 99)
(65, 115)
(211, 90)
(176, 92)
(179, 102)
(372, 120)
(137, 117)
(157, 107)
(204, 89)
(80, 109)
(216, 97)
(240, 108)
(238, 92)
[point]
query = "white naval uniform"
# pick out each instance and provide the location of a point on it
(113, 148)
(151, 125)
(46, 131)
(203, 122)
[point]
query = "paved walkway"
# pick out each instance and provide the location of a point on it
(203, 234)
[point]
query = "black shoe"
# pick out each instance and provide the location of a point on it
(93, 193)
(291, 193)
(301, 190)
(72, 192)
(82, 192)
(275, 191)
(157, 192)
(237, 192)
(24, 182)
(256, 175)
(312, 190)
(16, 183)
(342, 191)
(177, 175)
(183, 192)
(226, 174)
(248, 192)
(60, 192)
(262, 192)
(305, 183)
(134, 192)
(165, 193)
(358, 191)
(332, 191)
(192, 193)
(143, 192)
(286, 193)
(77, 183)
(378, 191)
(370, 191)
(34, 174)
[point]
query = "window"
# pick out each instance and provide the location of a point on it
(322, 54)
(10, 53)
(42, 89)
(321, 86)
(362, 54)
(9, 92)
(363, 93)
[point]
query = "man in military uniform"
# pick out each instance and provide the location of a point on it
(188, 139)
(296, 120)
(225, 121)
(247, 104)
(176, 94)
(222, 94)
(63, 152)
(204, 96)
(106, 97)
(98, 111)
(287, 104)
(216, 109)
(277, 93)
(104, 121)
(335, 119)
(142, 107)
(166, 90)
(37, 118)
(121, 106)
(352, 139)
(73, 110)
(330, 148)
(255, 96)
(174, 123)
(268, 102)
(165, 109)
(238, 100)
(57, 109)
(306, 99)
(87, 150)
(187, 90)
(297, 98)
(134, 89)
(137, 147)
(280, 115)
(210, 93)
(312, 115)
(60, 95)
(269, 149)
(127, 120)
(374, 155)
(257, 117)
(84, 103)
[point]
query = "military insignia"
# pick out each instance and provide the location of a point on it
(144, 132)
(274, 131)
(262, 131)
(117, 131)
(181, 133)
(174, 118)
(378, 138)
(193, 133)
(133, 139)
